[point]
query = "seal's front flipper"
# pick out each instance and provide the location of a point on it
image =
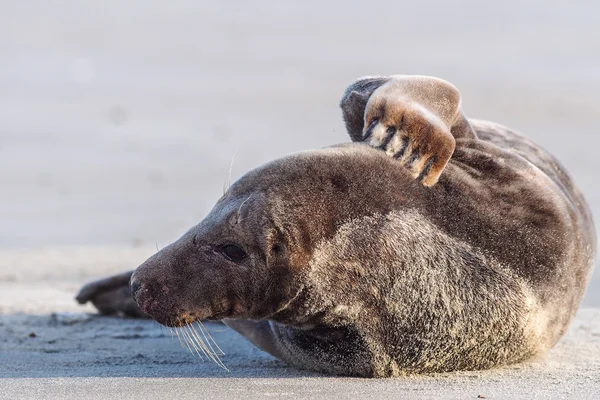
(111, 296)
(418, 139)
(415, 119)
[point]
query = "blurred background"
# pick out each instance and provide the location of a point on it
(119, 120)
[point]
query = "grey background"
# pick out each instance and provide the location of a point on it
(119, 120)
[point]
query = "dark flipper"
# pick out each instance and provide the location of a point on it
(111, 296)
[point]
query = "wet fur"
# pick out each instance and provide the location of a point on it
(356, 268)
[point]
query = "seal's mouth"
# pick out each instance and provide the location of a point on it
(175, 321)
(221, 315)
(180, 318)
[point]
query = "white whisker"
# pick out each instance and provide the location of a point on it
(209, 336)
(240, 209)
(186, 340)
(198, 342)
(206, 340)
(183, 341)
(211, 352)
(179, 337)
(192, 344)
(201, 343)
(227, 183)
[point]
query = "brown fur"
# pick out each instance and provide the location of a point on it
(355, 268)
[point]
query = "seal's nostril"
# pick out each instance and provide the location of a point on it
(134, 287)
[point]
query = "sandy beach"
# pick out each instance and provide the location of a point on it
(119, 122)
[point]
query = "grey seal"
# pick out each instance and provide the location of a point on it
(433, 243)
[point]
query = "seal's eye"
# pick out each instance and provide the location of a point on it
(233, 252)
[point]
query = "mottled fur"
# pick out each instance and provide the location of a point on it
(356, 268)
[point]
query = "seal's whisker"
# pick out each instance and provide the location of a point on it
(198, 343)
(194, 342)
(183, 342)
(227, 183)
(216, 358)
(210, 351)
(209, 348)
(198, 339)
(240, 209)
(186, 343)
(210, 338)
(192, 345)
(178, 337)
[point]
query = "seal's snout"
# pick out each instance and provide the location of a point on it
(144, 296)
(134, 287)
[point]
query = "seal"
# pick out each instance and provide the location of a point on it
(436, 243)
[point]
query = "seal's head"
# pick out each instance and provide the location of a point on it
(234, 264)
(248, 258)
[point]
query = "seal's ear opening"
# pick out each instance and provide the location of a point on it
(354, 102)
(276, 249)
(274, 291)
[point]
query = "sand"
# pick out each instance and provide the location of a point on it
(119, 122)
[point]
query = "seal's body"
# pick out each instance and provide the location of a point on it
(446, 244)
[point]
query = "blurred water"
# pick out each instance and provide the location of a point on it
(119, 120)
